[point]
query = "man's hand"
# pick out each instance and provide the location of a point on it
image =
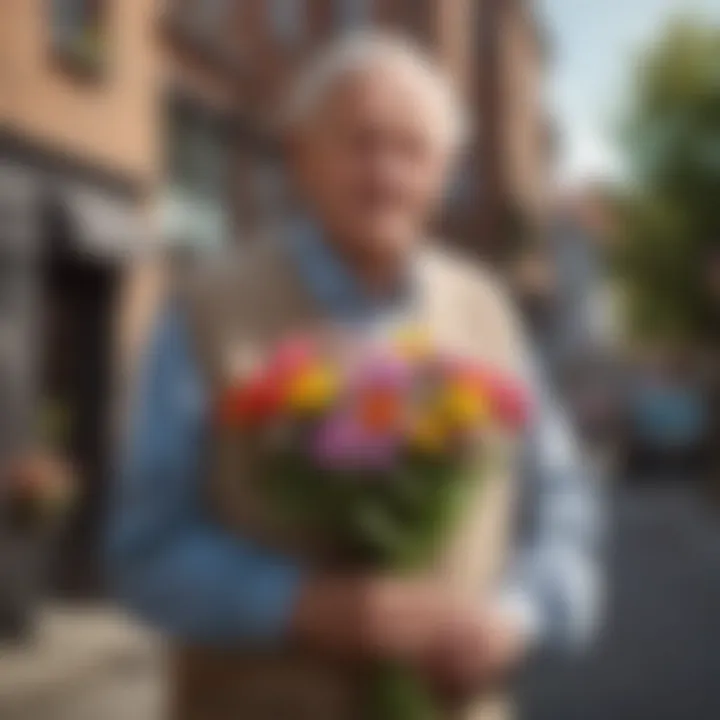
(461, 646)
(375, 618)
(477, 651)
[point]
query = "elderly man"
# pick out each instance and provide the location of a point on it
(267, 631)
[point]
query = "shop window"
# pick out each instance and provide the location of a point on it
(211, 28)
(79, 34)
(196, 212)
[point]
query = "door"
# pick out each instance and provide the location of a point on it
(79, 300)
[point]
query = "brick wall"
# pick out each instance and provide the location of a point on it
(525, 146)
(108, 120)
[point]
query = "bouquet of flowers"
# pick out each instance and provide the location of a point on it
(375, 446)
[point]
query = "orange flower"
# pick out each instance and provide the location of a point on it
(379, 410)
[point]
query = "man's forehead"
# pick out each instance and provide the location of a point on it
(378, 73)
(392, 93)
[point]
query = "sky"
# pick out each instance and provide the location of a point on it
(593, 46)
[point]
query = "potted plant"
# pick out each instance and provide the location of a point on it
(36, 491)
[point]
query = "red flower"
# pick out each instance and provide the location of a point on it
(508, 401)
(253, 402)
(265, 398)
(511, 404)
(256, 399)
(230, 407)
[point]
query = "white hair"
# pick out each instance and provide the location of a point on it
(369, 50)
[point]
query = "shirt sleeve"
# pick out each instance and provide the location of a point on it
(169, 563)
(554, 581)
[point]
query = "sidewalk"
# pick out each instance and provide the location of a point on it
(76, 647)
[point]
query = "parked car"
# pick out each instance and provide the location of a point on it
(668, 420)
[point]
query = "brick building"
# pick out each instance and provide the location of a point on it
(132, 125)
(494, 50)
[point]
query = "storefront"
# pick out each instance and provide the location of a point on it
(68, 235)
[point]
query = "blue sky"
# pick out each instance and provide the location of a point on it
(594, 43)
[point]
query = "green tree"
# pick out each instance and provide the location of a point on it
(671, 204)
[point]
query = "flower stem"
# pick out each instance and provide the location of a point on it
(396, 692)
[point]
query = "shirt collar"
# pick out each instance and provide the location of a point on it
(333, 284)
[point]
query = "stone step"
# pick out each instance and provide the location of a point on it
(72, 645)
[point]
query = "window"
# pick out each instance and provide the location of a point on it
(288, 19)
(209, 27)
(353, 13)
(78, 33)
(196, 208)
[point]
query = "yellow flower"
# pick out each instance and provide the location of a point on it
(413, 342)
(462, 407)
(312, 389)
(428, 434)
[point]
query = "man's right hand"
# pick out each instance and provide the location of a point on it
(375, 618)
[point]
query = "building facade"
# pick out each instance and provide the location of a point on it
(132, 126)
(78, 161)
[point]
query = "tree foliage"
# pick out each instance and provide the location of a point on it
(671, 206)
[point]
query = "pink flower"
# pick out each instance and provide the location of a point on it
(343, 444)
(382, 370)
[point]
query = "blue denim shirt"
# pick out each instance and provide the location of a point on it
(182, 573)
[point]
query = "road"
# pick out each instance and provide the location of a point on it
(658, 656)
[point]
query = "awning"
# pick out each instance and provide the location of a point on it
(103, 225)
(98, 221)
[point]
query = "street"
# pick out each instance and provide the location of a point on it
(658, 656)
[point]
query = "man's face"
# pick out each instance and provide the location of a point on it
(371, 164)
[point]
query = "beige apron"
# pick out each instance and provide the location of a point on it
(239, 309)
